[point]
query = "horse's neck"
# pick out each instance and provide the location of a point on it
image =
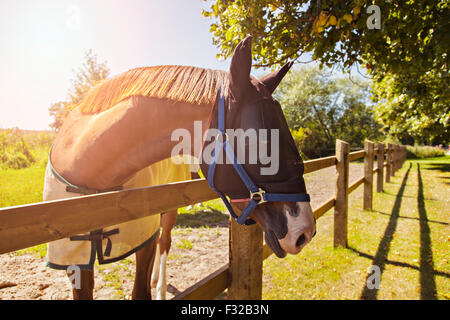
(168, 121)
(105, 150)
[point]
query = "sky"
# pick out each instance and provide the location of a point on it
(43, 42)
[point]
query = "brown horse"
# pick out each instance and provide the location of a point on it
(124, 125)
(158, 279)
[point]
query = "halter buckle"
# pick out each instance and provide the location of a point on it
(260, 193)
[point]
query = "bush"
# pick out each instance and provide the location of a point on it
(311, 144)
(299, 137)
(20, 150)
(423, 152)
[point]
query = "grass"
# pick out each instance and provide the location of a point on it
(405, 235)
(184, 244)
(23, 186)
(113, 277)
(210, 213)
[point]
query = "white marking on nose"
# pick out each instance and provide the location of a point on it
(301, 228)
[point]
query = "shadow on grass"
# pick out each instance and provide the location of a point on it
(427, 280)
(427, 273)
(413, 218)
(208, 217)
(398, 263)
(406, 196)
(443, 167)
(381, 255)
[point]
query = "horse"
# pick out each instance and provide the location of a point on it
(168, 220)
(158, 278)
(125, 124)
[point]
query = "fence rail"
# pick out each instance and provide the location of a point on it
(28, 225)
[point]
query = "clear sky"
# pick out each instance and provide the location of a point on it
(42, 42)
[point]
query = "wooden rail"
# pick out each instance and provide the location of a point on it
(356, 155)
(356, 184)
(317, 164)
(33, 224)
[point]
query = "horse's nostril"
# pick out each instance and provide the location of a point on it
(301, 240)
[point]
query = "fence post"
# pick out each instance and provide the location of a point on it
(404, 155)
(245, 262)
(400, 154)
(388, 163)
(368, 175)
(380, 166)
(395, 159)
(341, 205)
(391, 151)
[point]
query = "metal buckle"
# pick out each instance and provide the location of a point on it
(259, 193)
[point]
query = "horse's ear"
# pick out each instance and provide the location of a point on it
(272, 80)
(240, 67)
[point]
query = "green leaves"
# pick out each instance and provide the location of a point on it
(412, 44)
(415, 105)
(320, 108)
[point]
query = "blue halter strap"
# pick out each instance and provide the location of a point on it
(257, 195)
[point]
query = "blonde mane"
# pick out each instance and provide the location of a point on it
(178, 83)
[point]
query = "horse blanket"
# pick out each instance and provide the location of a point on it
(116, 242)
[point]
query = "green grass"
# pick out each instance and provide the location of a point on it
(209, 214)
(184, 244)
(113, 276)
(406, 235)
(23, 186)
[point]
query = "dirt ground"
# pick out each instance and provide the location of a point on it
(195, 253)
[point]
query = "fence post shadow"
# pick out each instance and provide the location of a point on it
(427, 280)
(381, 255)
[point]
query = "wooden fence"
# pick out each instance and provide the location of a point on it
(32, 224)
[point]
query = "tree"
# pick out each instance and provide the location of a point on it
(416, 107)
(413, 34)
(88, 75)
(58, 111)
(357, 122)
(403, 43)
(320, 108)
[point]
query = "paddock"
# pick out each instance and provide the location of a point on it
(29, 225)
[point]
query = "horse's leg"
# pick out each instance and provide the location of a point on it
(155, 272)
(167, 223)
(144, 266)
(86, 290)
